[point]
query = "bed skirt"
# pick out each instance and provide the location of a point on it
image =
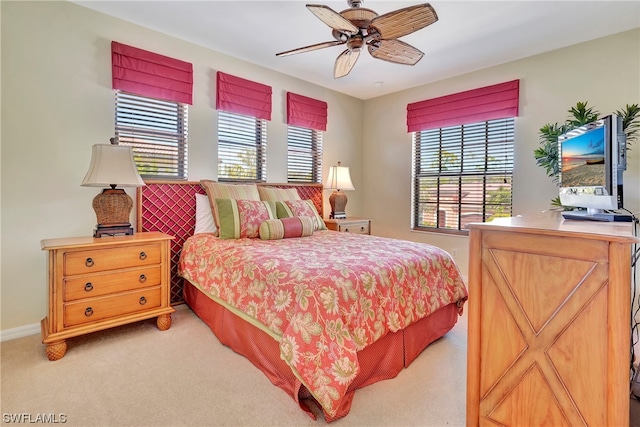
(382, 360)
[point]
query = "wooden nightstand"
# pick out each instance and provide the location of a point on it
(350, 225)
(99, 283)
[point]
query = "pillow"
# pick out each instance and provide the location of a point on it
(278, 194)
(295, 226)
(242, 218)
(289, 208)
(216, 190)
(204, 216)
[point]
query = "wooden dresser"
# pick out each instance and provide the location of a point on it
(549, 322)
(99, 283)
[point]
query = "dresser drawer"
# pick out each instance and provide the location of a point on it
(95, 285)
(355, 227)
(96, 260)
(94, 309)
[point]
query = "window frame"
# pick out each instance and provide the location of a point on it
(502, 136)
(156, 116)
(304, 148)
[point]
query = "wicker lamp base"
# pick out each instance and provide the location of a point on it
(338, 202)
(113, 207)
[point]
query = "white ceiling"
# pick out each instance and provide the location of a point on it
(469, 35)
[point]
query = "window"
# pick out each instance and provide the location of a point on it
(157, 132)
(242, 147)
(462, 174)
(304, 154)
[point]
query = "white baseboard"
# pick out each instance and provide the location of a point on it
(19, 332)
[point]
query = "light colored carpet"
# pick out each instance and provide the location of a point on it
(136, 375)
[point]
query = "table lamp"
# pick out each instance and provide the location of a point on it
(112, 165)
(338, 179)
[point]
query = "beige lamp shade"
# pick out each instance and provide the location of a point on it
(338, 179)
(112, 166)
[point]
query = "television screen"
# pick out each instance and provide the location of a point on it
(583, 160)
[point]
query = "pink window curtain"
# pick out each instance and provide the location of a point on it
(237, 95)
(149, 74)
(306, 112)
(486, 103)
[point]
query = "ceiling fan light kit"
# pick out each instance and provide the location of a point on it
(358, 27)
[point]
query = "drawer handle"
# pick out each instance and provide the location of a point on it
(346, 230)
(142, 301)
(362, 229)
(89, 262)
(143, 256)
(88, 312)
(88, 287)
(143, 278)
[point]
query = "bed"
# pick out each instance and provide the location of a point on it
(321, 315)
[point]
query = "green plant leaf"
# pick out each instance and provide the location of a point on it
(547, 154)
(581, 115)
(630, 123)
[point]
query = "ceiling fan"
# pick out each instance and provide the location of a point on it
(357, 26)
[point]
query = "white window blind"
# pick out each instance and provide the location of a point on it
(157, 132)
(462, 174)
(242, 147)
(304, 154)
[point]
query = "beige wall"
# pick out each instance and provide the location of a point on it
(57, 102)
(605, 72)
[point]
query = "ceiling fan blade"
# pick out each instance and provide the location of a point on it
(405, 21)
(345, 62)
(310, 48)
(332, 18)
(395, 51)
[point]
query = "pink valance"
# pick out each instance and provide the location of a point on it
(306, 112)
(487, 103)
(149, 74)
(237, 95)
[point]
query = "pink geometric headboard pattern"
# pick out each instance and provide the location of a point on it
(170, 207)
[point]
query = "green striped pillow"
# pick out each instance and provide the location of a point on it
(277, 194)
(217, 190)
(242, 218)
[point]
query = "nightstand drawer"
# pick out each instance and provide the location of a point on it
(355, 227)
(349, 225)
(96, 260)
(95, 285)
(92, 310)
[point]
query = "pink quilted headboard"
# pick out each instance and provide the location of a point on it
(170, 207)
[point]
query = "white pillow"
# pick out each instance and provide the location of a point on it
(204, 217)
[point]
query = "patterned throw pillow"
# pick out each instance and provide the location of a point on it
(295, 226)
(242, 218)
(277, 194)
(217, 190)
(289, 208)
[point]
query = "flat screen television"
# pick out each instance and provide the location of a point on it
(592, 162)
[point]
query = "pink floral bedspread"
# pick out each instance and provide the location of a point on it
(324, 297)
